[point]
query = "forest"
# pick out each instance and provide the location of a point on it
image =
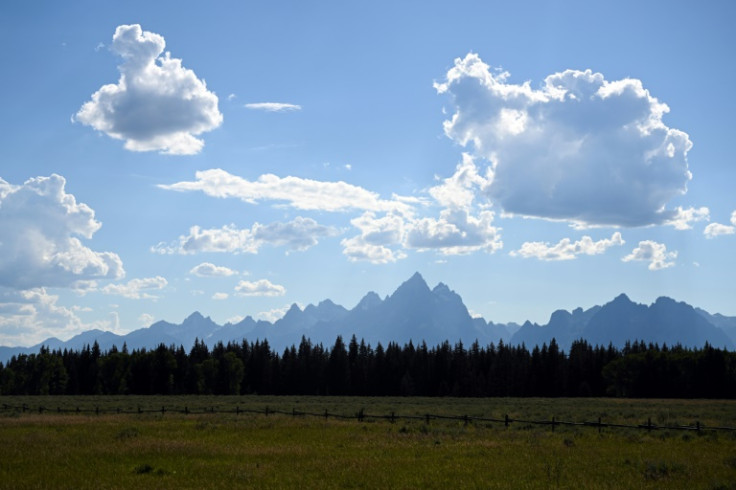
(636, 370)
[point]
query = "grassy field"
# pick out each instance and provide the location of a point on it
(225, 450)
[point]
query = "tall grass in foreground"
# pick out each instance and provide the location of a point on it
(279, 451)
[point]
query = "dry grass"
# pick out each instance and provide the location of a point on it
(255, 451)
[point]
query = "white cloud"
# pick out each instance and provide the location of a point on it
(136, 288)
(716, 229)
(299, 193)
(157, 104)
(654, 253)
(298, 234)
(455, 232)
(30, 316)
(206, 269)
(220, 296)
(262, 287)
(358, 249)
(146, 319)
(683, 217)
(273, 107)
(40, 227)
(567, 250)
(458, 191)
(274, 314)
(580, 148)
(235, 319)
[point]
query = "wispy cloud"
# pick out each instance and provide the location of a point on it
(207, 269)
(273, 106)
(262, 287)
(297, 192)
(298, 234)
(137, 288)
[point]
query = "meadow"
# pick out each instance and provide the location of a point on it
(214, 447)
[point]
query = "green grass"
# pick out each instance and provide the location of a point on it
(278, 451)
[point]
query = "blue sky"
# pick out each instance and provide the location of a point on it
(237, 157)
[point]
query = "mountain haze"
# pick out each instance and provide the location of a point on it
(416, 313)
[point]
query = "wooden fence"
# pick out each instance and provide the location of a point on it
(361, 416)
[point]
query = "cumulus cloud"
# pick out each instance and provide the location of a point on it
(654, 253)
(717, 229)
(262, 287)
(298, 234)
(30, 316)
(40, 239)
(274, 314)
(273, 106)
(220, 296)
(157, 104)
(579, 148)
(459, 228)
(683, 217)
(206, 269)
(299, 193)
(137, 288)
(565, 249)
(455, 232)
(146, 319)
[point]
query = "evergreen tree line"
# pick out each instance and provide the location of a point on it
(637, 370)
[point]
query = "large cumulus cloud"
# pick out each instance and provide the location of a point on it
(157, 104)
(40, 230)
(579, 148)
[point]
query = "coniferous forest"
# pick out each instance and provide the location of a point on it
(637, 370)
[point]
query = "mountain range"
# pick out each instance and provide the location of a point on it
(417, 313)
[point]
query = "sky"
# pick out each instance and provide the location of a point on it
(234, 158)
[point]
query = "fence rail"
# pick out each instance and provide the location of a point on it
(360, 416)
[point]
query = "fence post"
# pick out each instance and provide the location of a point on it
(465, 420)
(326, 414)
(139, 409)
(163, 410)
(697, 426)
(24, 408)
(40, 409)
(600, 427)
(237, 409)
(553, 423)
(266, 411)
(186, 410)
(649, 424)
(506, 420)
(393, 417)
(97, 410)
(426, 418)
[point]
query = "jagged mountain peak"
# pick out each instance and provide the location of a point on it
(415, 285)
(621, 299)
(195, 317)
(369, 301)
